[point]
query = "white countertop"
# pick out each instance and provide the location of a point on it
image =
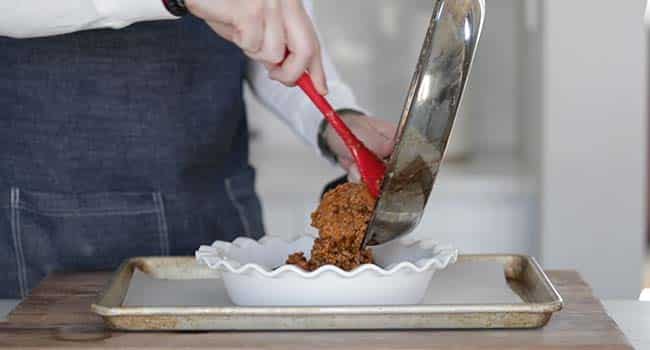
(633, 317)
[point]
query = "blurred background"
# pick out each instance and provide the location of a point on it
(548, 156)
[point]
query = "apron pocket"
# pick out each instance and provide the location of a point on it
(84, 232)
(10, 287)
(240, 190)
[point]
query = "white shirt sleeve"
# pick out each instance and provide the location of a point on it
(291, 104)
(35, 18)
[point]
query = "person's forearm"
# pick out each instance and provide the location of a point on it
(292, 105)
(36, 18)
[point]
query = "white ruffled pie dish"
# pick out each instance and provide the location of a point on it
(255, 273)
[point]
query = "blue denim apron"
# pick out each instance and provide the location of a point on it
(120, 143)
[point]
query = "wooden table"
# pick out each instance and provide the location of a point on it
(60, 305)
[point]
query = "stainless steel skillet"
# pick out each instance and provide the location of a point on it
(428, 116)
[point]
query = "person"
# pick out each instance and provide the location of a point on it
(123, 129)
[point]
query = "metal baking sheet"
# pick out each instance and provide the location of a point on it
(479, 291)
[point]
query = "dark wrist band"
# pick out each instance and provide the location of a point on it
(176, 7)
(325, 149)
(343, 111)
(322, 143)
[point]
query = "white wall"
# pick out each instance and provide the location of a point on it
(593, 141)
(494, 83)
(376, 43)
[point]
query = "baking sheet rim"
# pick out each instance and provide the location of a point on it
(104, 309)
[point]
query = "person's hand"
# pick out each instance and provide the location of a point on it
(378, 135)
(266, 30)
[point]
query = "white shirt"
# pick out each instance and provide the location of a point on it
(38, 18)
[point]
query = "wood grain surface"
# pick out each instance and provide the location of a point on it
(57, 315)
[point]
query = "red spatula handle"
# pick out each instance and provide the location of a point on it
(307, 85)
(371, 168)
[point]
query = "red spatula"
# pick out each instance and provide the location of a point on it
(371, 168)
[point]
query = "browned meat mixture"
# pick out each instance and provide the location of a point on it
(341, 219)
